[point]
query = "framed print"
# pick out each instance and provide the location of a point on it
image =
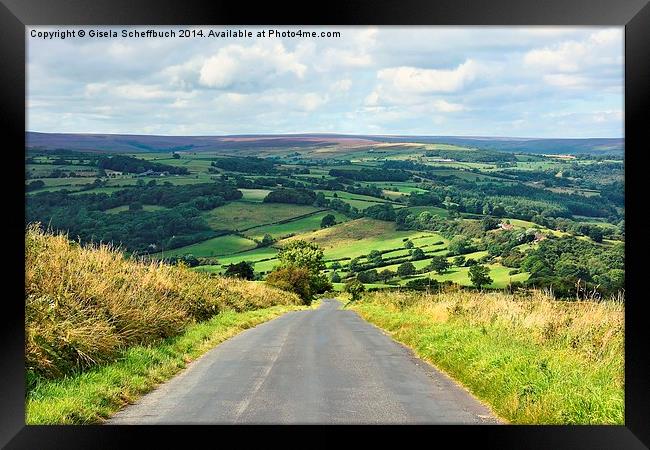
(376, 214)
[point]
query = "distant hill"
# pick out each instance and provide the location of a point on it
(149, 143)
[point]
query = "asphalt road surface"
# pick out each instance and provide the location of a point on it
(324, 366)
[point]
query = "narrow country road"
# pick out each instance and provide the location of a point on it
(324, 366)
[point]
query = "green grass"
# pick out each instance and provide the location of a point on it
(219, 246)
(255, 256)
(92, 396)
(358, 237)
(240, 215)
(357, 200)
(533, 361)
(254, 195)
(434, 210)
(119, 209)
(302, 225)
(460, 275)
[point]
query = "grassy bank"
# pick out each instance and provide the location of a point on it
(534, 360)
(92, 396)
(86, 305)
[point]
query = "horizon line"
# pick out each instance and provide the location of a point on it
(322, 133)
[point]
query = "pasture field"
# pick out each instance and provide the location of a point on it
(241, 216)
(358, 237)
(442, 212)
(219, 246)
(119, 209)
(297, 226)
(254, 195)
(357, 200)
(355, 235)
(459, 275)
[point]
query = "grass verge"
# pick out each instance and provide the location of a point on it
(533, 360)
(92, 396)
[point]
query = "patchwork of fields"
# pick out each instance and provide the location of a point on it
(253, 230)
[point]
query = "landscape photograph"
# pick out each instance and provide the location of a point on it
(325, 225)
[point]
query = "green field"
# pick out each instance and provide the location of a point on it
(240, 215)
(119, 209)
(498, 273)
(358, 237)
(302, 225)
(432, 209)
(263, 258)
(254, 195)
(219, 246)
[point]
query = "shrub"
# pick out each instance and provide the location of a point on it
(355, 288)
(292, 279)
(328, 221)
(480, 276)
(242, 270)
(405, 269)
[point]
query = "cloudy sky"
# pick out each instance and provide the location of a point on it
(471, 81)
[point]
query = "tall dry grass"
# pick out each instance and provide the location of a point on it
(534, 359)
(594, 330)
(83, 304)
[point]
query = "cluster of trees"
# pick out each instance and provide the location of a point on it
(300, 271)
(289, 195)
(247, 164)
(384, 211)
(190, 260)
(123, 163)
(486, 156)
(570, 266)
(203, 196)
(142, 231)
(370, 174)
(505, 199)
(33, 185)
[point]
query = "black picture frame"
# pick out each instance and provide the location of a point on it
(16, 14)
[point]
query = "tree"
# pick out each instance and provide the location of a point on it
(369, 276)
(498, 211)
(293, 279)
(355, 288)
(375, 257)
(135, 206)
(243, 270)
(267, 240)
(408, 244)
(439, 264)
(335, 265)
(302, 255)
(479, 275)
(459, 261)
(489, 223)
(384, 211)
(176, 155)
(320, 201)
(328, 221)
(596, 234)
(386, 275)
(417, 254)
(335, 278)
(459, 245)
(405, 269)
